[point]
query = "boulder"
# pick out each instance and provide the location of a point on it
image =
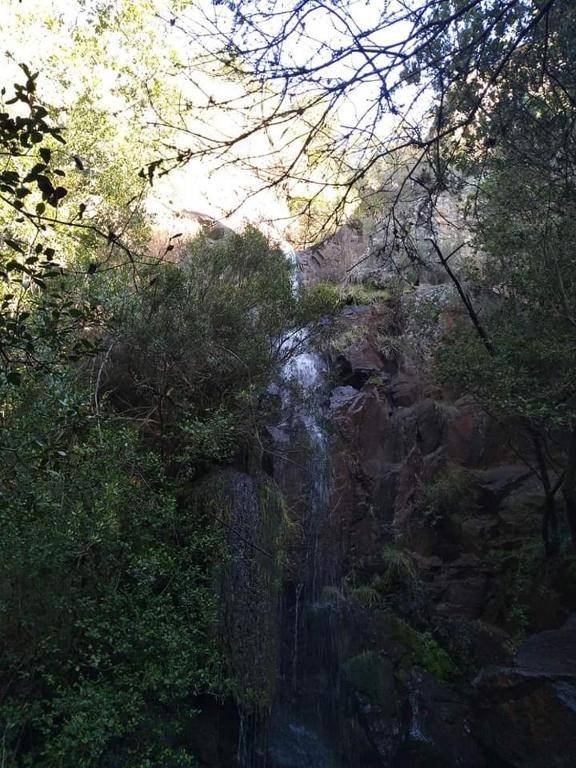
(528, 712)
(406, 389)
(528, 719)
(498, 482)
(441, 729)
(363, 422)
(552, 652)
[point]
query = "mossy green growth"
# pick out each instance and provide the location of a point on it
(398, 570)
(451, 492)
(254, 514)
(367, 674)
(364, 294)
(424, 651)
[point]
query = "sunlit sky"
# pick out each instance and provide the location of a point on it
(200, 186)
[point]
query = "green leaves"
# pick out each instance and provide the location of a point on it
(37, 321)
(114, 616)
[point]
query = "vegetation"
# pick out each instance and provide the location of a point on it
(398, 570)
(134, 362)
(424, 650)
(452, 492)
(474, 99)
(122, 378)
(363, 293)
(106, 594)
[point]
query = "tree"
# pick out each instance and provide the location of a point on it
(424, 71)
(479, 96)
(36, 313)
(524, 204)
(109, 559)
(194, 349)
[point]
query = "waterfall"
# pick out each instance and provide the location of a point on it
(298, 729)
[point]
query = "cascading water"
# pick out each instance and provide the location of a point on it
(299, 729)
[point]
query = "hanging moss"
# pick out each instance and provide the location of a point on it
(421, 649)
(256, 527)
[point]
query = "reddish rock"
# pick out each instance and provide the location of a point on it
(441, 727)
(330, 260)
(410, 491)
(363, 423)
(406, 389)
(464, 597)
(552, 652)
(527, 719)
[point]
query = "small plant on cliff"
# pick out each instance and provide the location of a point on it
(391, 346)
(364, 294)
(398, 570)
(348, 338)
(364, 595)
(423, 650)
(451, 492)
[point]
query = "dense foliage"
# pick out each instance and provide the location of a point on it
(125, 375)
(522, 210)
(107, 604)
(129, 371)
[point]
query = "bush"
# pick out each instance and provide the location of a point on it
(451, 492)
(398, 570)
(363, 294)
(196, 347)
(423, 650)
(106, 599)
(364, 595)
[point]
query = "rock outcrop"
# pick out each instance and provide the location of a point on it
(414, 568)
(527, 713)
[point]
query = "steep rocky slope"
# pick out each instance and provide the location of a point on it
(396, 609)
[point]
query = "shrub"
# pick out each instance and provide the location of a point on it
(348, 338)
(363, 294)
(364, 595)
(451, 492)
(106, 598)
(196, 347)
(398, 569)
(423, 650)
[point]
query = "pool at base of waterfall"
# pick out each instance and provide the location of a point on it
(295, 745)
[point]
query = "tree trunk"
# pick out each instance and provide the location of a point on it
(569, 487)
(550, 526)
(550, 517)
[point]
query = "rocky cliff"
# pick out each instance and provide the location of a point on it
(412, 619)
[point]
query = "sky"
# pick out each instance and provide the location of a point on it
(203, 185)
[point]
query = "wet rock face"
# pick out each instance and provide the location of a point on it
(412, 469)
(441, 728)
(552, 652)
(410, 524)
(527, 713)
